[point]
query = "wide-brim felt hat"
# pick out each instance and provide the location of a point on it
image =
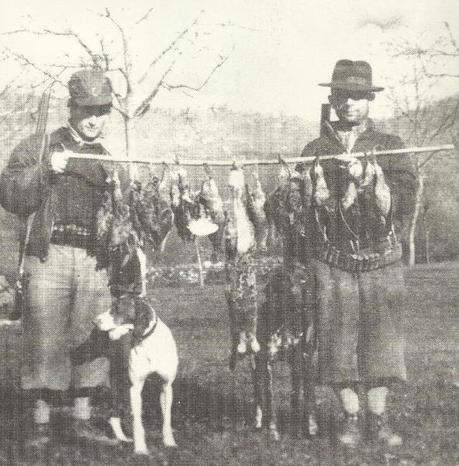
(351, 75)
(89, 87)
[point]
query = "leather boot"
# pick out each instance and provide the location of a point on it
(349, 433)
(37, 435)
(92, 431)
(379, 429)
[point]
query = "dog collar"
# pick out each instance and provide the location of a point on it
(150, 330)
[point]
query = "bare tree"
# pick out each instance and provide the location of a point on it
(116, 55)
(442, 54)
(415, 105)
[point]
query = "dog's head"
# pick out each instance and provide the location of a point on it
(128, 311)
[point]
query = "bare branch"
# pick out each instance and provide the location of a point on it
(168, 49)
(105, 55)
(119, 108)
(447, 121)
(451, 36)
(145, 16)
(442, 75)
(62, 65)
(201, 86)
(30, 63)
(231, 24)
(126, 59)
(143, 107)
(15, 31)
(6, 115)
(125, 75)
(8, 85)
(426, 160)
(95, 58)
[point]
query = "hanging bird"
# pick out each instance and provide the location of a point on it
(321, 194)
(381, 190)
(210, 198)
(151, 214)
(126, 223)
(104, 222)
(240, 231)
(182, 202)
(256, 200)
(112, 220)
(282, 202)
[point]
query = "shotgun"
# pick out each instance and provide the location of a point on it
(26, 222)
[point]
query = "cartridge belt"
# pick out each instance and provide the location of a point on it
(70, 234)
(359, 262)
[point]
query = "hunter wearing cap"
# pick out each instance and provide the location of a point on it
(356, 278)
(65, 291)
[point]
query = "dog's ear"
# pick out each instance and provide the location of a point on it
(144, 314)
(123, 310)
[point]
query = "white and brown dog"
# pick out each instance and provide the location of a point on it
(153, 351)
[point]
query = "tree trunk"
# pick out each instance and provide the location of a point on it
(427, 233)
(426, 229)
(127, 144)
(414, 220)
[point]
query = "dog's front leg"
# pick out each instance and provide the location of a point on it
(165, 399)
(140, 446)
(115, 423)
(258, 380)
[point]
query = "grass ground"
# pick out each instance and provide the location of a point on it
(213, 407)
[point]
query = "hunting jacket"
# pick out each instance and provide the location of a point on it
(29, 187)
(360, 218)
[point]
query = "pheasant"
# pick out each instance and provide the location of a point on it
(126, 223)
(151, 214)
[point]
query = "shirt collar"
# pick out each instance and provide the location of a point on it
(347, 136)
(79, 140)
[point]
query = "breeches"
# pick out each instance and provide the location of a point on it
(65, 293)
(359, 324)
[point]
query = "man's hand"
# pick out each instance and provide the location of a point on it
(351, 164)
(59, 161)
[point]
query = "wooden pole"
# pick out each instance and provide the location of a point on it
(273, 161)
(201, 272)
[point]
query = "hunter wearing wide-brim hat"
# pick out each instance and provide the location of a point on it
(61, 196)
(357, 211)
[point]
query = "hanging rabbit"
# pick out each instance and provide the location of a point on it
(241, 286)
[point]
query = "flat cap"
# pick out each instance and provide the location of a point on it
(90, 87)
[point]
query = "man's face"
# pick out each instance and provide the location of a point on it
(351, 106)
(90, 120)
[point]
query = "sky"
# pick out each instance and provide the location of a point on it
(279, 50)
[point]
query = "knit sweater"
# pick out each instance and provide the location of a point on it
(74, 196)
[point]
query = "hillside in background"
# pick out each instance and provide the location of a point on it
(163, 133)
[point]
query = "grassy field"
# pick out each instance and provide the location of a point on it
(213, 407)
